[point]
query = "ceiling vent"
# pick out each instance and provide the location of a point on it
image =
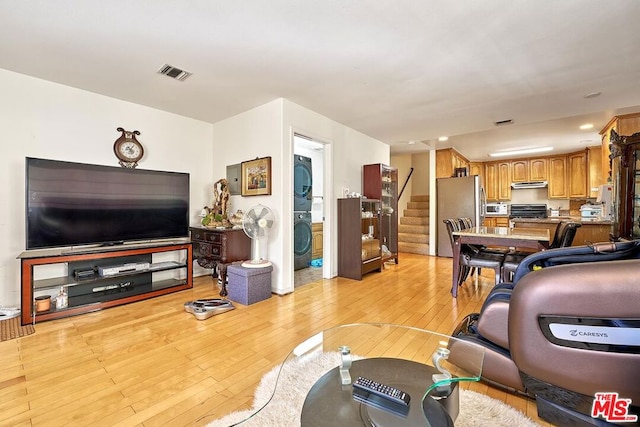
(503, 122)
(173, 72)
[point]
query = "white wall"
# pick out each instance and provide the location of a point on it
(44, 119)
(268, 130)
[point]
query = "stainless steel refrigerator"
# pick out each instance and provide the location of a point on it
(457, 198)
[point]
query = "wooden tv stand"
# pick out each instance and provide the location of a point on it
(45, 272)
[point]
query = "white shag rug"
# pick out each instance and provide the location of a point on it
(476, 409)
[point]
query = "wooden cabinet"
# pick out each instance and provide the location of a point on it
(538, 169)
(525, 170)
(520, 170)
(381, 182)
(491, 181)
(496, 221)
(624, 125)
(626, 185)
(504, 180)
(217, 248)
(358, 237)
(594, 159)
(316, 245)
(578, 175)
(447, 161)
(558, 177)
(94, 279)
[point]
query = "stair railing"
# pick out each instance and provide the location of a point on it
(405, 183)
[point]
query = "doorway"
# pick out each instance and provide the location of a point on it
(308, 214)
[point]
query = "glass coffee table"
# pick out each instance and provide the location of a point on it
(427, 366)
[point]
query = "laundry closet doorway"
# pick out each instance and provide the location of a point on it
(308, 209)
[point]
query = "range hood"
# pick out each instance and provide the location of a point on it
(530, 184)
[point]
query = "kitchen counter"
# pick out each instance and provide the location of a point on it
(557, 219)
(591, 231)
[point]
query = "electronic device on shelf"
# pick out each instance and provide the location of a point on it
(112, 270)
(205, 308)
(256, 224)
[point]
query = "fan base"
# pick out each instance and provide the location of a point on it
(256, 264)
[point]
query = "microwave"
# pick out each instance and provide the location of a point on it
(496, 209)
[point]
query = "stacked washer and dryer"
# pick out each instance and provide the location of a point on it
(302, 199)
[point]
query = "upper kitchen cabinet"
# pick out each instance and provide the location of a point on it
(520, 170)
(558, 177)
(625, 152)
(504, 180)
(538, 169)
(491, 181)
(578, 175)
(525, 170)
(447, 161)
(594, 158)
(477, 168)
(497, 181)
(624, 125)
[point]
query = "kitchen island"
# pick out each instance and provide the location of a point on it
(591, 231)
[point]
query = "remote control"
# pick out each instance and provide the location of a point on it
(386, 392)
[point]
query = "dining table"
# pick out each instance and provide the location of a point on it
(531, 238)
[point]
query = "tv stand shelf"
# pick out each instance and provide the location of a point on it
(45, 272)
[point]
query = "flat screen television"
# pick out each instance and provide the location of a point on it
(74, 204)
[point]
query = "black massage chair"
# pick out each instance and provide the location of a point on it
(566, 328)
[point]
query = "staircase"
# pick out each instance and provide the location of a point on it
(413, 231)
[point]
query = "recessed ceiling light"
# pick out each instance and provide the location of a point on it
(443, 138)
(586, 126)
(411, 143)
(518, 152)
(593, 95)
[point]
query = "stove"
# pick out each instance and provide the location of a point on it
(528, 211)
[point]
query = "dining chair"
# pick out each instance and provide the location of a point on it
(562, 238)
(472, 258)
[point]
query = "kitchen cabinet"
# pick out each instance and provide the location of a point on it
(625, 152)
(316, 245)
(496, 221)
(358, 237)
(589, 232)
(594, 159)
(520, 170)
(491, 181)
(538, 169)
(447, 161)
(504, 180)
(624, 125)
(578, 175)
(558, 177)
(525, 170)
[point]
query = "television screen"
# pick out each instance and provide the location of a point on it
(70, 204)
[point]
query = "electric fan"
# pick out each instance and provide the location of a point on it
(256, 224)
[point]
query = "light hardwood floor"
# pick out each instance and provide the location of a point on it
(150, 363)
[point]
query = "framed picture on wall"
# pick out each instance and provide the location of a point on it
(256, 177)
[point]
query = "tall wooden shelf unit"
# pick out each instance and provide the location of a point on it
(625, 168)
(358, 237)
(45, 272)
(381, 182)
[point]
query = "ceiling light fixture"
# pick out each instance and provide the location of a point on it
(412, 143)
(518, 152)
(586, 126)
(593, 95)
(443, 138)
